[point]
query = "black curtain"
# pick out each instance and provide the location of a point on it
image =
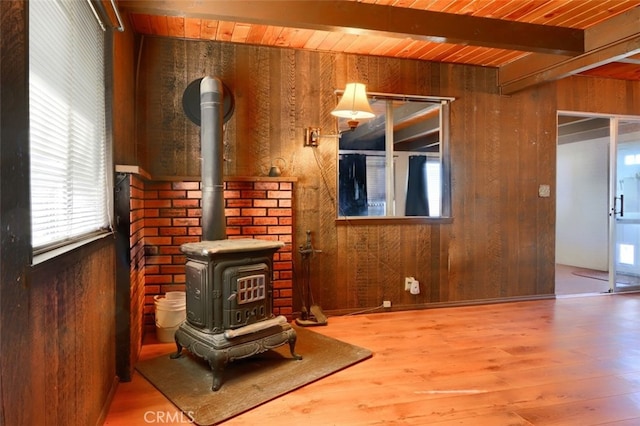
(353, 185)
(417, 203)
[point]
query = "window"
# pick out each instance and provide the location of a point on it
(70, 192)
(394, 164)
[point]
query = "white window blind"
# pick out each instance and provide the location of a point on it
(69, 187)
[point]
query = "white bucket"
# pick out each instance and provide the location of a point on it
(170, 313)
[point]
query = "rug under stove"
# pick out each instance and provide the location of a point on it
(249, 382)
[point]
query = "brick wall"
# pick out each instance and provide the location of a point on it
(254, 208)
(137, 264)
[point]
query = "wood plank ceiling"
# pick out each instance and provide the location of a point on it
(529, 41)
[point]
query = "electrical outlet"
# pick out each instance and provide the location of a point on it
(407, 283)
(386, 304)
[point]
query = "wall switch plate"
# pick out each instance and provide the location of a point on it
(386, 304)
(544, 191)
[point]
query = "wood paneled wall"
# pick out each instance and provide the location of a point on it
(69, 349)
(500, 243)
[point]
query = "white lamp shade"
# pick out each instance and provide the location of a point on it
(354, 103)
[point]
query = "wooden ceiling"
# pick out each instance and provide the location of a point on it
(528, 41)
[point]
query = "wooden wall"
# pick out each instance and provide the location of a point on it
(68, 346)
(500, 243)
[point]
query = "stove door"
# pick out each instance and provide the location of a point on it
(196, 289)
(246, 294)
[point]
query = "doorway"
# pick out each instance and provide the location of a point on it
(597, 241)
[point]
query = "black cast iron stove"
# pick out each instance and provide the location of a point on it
(228, 281)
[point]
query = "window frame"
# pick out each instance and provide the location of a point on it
(67, 244)
(445, 164)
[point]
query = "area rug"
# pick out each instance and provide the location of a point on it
(249, 382)
(590, 273)
(621, 279)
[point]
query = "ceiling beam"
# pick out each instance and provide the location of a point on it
(372, 19)
(610, 41)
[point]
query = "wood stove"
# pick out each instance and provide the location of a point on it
(228, 281)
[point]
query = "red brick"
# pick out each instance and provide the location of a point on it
(281, 265)
(239, 221)
(288, 292)
(285, 256)
(157, 185)
(239, 185)
(232, 212)
(233, 230)
(173, 212)
(158, 260)
(172, 269)
(254, 230)
(286, 186)
(157, 222)
(186, 222)
(231, 194)
(194, 195)
(194, 212)
(265, 221)
(186, 203)
(279, 230)
(151, 289)
(267, 185)
(185, 185)
(282, 284)
(150, 195)
(149, 213)
(157, 279)
(265, 203)
(152, 269)
(285, 221)
(172, 194)
(280, 212)
(195, 231)
(157, 241)
(279, 194)
(136, 204)
(176, 230)
(284, 203)
(239, 203)
(151, 232)
(172, 250)
(253, 194)
(183, 240)
(287, 239)
(157, 203)
(254, 212)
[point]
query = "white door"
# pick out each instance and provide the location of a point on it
(624, 262)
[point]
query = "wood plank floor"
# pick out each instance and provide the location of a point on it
(568, 361)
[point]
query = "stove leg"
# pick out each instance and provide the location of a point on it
(218, 362)
(178, 351)
(292, 346)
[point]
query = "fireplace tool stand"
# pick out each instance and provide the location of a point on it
(316, 317)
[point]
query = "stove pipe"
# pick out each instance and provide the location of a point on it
(211, 145)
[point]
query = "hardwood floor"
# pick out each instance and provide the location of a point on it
(568, 283)
(568, 361)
